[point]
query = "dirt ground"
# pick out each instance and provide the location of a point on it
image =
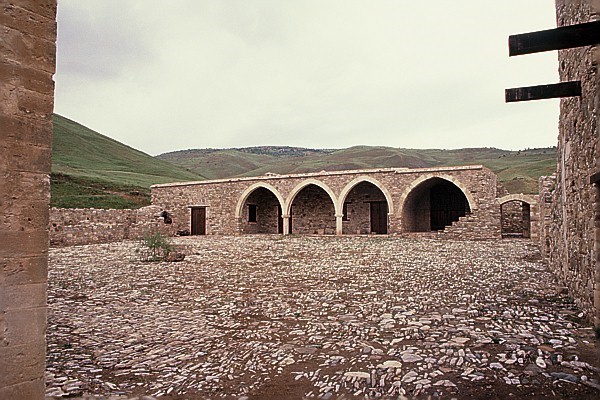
(268, 317)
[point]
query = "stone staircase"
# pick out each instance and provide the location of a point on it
(461, 227)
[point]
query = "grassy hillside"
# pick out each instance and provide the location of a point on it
(93, 170)
(517, 170)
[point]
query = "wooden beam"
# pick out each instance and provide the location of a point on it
(563, 89)
(565, 37)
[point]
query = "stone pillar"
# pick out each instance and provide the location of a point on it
(596, 259)
(286, 224)
(27, 63)
(339, 224)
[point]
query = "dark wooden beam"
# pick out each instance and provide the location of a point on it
(565, 37)
(564, 89)
(595, 178)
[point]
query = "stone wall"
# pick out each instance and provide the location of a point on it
(359, 207)
(313, 212)
(85, 226)
(27, 63)
(571, 240)
(316, 200)
(546, 190)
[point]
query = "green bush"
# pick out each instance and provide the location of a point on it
(155, 247)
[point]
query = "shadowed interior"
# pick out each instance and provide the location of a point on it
(262, 213)
(433, 205)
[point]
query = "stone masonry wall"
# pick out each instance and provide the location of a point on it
(359, 208)
(27, 64)
(572, 237)
(313, 212)
(546, 190)
(266, 213)
(84, 226)
(225, 199)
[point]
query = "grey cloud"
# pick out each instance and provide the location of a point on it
(97, 40)
(221, 73)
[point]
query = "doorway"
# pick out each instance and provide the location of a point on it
(198, 220)
(379, 211)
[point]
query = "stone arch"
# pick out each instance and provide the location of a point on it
(515, 215)
(433, 202)
(244, 197)
(519, 197)
(375, 182)
(305, 183)
(418, 181)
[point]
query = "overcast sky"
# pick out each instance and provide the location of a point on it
(180, 74)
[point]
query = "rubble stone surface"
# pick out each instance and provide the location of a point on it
(315, 317)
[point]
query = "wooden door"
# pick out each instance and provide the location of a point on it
(379, 213)
(199, 221)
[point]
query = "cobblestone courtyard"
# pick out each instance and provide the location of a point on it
(322, 317)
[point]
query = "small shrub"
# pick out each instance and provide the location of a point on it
(155, 247)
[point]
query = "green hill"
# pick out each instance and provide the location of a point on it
(517, 170)
(93, 170)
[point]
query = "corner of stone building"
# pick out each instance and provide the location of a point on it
(27, 66)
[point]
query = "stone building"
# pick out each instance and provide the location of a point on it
(453, 202)
(570, 200)
(27, 62)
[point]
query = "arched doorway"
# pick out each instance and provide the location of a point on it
(433, 205)
(365, 210)
(515, 219)
(312, 211)
(261, 212)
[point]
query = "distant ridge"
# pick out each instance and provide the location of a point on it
(517, 170)
(92, 170)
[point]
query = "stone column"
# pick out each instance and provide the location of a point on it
(27, 63)
(596, 258)
(286, 224)
(339, 224)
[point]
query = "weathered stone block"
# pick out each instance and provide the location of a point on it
(23, 187)
(27, 78)
(21, 297)
(46, 8)
(23, 20)
(24, 216)
(22, 363)
(27, 390)
(18, 128)
(23, 270)
(27, 50)
(23, 243)
(24, 157)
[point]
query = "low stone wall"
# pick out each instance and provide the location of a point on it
(74, 226)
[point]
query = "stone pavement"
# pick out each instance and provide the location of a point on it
(315, 317)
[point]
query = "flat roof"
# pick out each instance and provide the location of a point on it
(273, 176)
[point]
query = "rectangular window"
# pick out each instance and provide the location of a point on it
(251, 212)
(345, 212)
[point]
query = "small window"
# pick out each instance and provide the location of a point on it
(251, 212)
(345, 212)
